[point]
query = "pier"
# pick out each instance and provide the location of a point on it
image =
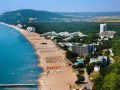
(18, 85)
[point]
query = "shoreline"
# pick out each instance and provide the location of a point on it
(52, 60)
(22, 31)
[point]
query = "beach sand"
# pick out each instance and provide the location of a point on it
(58, 73)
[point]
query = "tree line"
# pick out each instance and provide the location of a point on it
(85, 27)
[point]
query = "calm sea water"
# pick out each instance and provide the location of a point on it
(18, 61)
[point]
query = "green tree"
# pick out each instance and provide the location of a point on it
(111, 81)
(109, 78)
(87, 60)
(80, 79)
(71, 55)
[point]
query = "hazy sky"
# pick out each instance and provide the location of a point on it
(61, 5)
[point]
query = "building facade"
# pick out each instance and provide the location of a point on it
(104, 33)
(82, 50)
(103, 28)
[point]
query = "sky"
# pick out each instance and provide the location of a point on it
(61, 5)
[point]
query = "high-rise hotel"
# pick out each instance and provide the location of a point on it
(104, 33)
(103, 28)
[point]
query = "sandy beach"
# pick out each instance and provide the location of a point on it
(58, 73)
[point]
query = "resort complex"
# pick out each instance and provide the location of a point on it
(60, 45)
(58, 73)
(60, 70)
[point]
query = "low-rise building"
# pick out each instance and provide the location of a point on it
(103, 59)
(111, 52)
(107, 34)
(79, 34)
(96, 68)
(19, 26)
(95, 60)
(64, 34)
(30, 29)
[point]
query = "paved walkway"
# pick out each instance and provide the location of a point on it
(88, 84)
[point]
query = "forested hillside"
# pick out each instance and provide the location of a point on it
(29, 15)
(84, 27)
(26, 15)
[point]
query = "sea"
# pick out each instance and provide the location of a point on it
(18, 61)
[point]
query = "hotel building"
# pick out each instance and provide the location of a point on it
(82, 50)
(104, 33)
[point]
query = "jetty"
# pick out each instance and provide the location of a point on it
(18, 85)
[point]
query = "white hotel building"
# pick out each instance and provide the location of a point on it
(104, 33)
